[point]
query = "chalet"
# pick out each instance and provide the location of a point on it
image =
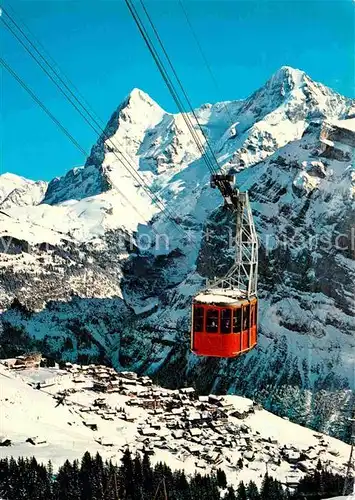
(206, 416)
(239, 413)
(193, 417)
(99, 386)
(215, 400)
(35, 440)
(5, 442)
(172, 424)
(193, 449)
(27, 361)
(249, 455)
(306, 466)
(292, 480)
(291, 456)
(105, 441)
(92, 425)
(212, 457)
(102, 376)
(108, 417)
(148, 431)
(189, 391)
(177, 411)
(145, 381)
(100, 402)
(129, 375)
(310, 454)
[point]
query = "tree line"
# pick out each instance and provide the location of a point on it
(136, 479)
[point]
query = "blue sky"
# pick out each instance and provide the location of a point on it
(98, 47)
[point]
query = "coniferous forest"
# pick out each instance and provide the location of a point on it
(137, 479)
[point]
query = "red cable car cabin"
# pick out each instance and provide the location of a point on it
(222, 325)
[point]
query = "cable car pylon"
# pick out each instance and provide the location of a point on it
(224, 315)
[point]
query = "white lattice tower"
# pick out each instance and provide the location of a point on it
(243, 274)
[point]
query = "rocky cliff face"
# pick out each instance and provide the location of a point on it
(95, 268)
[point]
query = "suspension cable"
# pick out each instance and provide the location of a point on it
(131, 169)
(179, 83)
(45, 109)
(207, 64)
(59, 125)
(169, 84)
(49, 57)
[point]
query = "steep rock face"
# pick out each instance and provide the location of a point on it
(77, 184)
(101, 272)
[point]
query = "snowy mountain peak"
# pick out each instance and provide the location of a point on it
(138, 96)
(288, 76)
(8, 176)
(19, 191)
(138, 108)
(296, 92)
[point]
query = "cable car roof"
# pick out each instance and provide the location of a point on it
(221, 296)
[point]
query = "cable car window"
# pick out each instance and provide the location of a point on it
(226, 321)
(246, 312)
(212, 321)
(237, 320)
(198, 319)
(252, 315)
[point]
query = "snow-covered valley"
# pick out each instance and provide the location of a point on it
(91, 267)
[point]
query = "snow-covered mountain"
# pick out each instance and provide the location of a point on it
(95, 269)
(18, 191)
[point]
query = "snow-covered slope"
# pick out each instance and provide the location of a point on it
(113, 277)
(184, 431)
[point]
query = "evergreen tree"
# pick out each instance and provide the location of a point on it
(98, 478)
(240, 463)
(221, 478)
(127, 477)
(181, 486)
(252, 491)
(241, 492)
(272, 489)
(230, 495)
(147, 476)
(5, 484)
(45, 487)
(13, 482)
(138, 478)
(111, 481)
(66, 485)
(266, 487)
(86, 478)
